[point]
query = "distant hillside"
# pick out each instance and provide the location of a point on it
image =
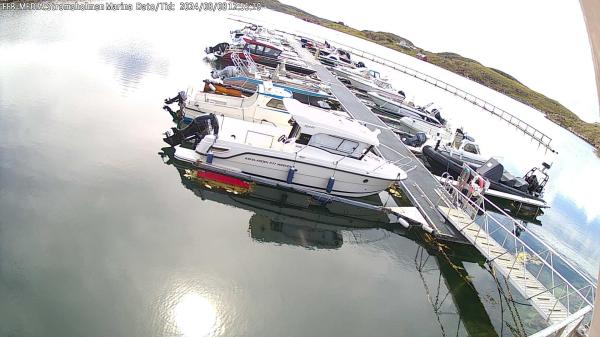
(489, 77)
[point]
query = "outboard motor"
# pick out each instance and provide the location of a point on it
(227, 72)
(360, 64)
(196, 130)
(218, 48)
(180, 99)
(438, 115)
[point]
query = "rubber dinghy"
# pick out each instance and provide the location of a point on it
(531, 186)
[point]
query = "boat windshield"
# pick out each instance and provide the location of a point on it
(337, 145)
(249, 101)
(276, 104)
(374, 74)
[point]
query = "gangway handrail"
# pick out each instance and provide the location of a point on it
(532, 234)
(542, 139)
(450, 187)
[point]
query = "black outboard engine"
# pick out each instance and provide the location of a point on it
(218, 48)
(438, 115)
(180, 99)
(360, 64)
(195, 131)
(415, 141)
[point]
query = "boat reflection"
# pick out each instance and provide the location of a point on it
(290, 218)
(283, 216)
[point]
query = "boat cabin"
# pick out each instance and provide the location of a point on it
(328, 131)
(255, 47)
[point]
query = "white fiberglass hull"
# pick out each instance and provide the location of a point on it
(235, 107)
(431, 130)
(385, 104)
(307, 175)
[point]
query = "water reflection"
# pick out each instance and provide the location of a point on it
(132, 61)
(293, 219)
(194, 315)
(189, 309)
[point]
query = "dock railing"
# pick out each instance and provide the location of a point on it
(520, 124)
(561, 279)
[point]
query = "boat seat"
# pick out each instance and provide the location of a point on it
(508, 179)
(521, 184)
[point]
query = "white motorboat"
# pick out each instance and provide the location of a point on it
(463, 148)
(264, 106)
(367, 80)
(322, 151)
(387, 102)
(420, 120)
(428, 125)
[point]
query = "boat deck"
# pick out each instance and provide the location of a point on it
(421, 187)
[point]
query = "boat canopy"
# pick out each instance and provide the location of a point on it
(313, 120)
(262, 48)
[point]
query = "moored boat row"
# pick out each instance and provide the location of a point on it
(267, 114)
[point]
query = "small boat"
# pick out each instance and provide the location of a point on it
(531, 186)
(388, 102)
(422, 122)
(307, 94)
(463, 148)
(265, 54)
(322, 152)
(367, 80)
(264, 106)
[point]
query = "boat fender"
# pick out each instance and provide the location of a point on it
(290, 175)
(209, 157)
(330, 184)
(477, 186)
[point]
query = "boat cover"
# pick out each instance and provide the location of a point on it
(491, 170)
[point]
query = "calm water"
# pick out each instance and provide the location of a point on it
(99, 237)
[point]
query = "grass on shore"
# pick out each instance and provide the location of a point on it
(475, 71)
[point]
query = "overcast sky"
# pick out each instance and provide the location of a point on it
(543, 43)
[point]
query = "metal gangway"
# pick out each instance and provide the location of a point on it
(554, 286)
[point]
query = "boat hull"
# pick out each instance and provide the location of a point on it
(269, 62)
(439, 164)
(417, 125)
(307, 175)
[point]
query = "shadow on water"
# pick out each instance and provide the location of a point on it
(284, 217)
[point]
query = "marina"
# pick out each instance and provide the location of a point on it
(282, 201)
(454, 217)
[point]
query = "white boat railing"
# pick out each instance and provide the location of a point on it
(560, 277)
